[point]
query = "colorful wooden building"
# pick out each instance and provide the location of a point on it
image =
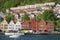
(42, 26)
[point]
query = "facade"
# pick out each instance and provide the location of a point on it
(25, 24)
(57, 11)
(14, 25)
(31, 15)
(58, 4)
(57, 15)
(42, 26)
(45, 26)
(33, 24)
(4, 25)
(32, 10)
(3, 22)
(46, 7)
(50, 26)
(49, 3)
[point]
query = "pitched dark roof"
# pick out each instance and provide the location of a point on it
(2, 14)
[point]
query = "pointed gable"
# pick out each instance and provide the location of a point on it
(33, 24)
(4, 22)
(25, 24)
(42, 25)
(4, 25)
(50, 25)
(42, 22)
(11, 22)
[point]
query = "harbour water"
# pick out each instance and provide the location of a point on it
(32, 37)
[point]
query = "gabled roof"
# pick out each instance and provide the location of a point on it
(25, 23)
(4, 22)
(1, 19)
(42, 22)
(2, 14)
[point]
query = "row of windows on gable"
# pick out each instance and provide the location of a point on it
(3, 25)
(13, 28)
(15, 25)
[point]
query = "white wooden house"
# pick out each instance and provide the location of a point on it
(49, 3)
(46, 7)
(14, 25)
(58, 5)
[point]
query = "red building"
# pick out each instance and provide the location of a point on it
(41, 26)
(25, 24)
(45, 26)
(33, 24)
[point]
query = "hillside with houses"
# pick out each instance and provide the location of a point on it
(6, 4)
(39, 17)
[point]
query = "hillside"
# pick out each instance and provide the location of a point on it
(4, 4)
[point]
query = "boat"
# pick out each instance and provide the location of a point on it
(8, 34)
(16, 35)
(13, 36)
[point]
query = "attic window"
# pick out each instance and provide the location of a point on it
(41, 26)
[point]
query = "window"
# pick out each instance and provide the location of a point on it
(1, 24)
(40, 30)
(1, 27)
(11, 27)
(41, 26)
(17, 25)
(5, 25)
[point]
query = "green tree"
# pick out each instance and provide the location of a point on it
(58, 24)
(38, 17)
(48, 15)
(11, 3)
(25, 17)
(9, 17)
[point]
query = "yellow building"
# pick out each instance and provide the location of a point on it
(4, 25)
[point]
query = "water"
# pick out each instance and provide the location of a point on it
(32, 37)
